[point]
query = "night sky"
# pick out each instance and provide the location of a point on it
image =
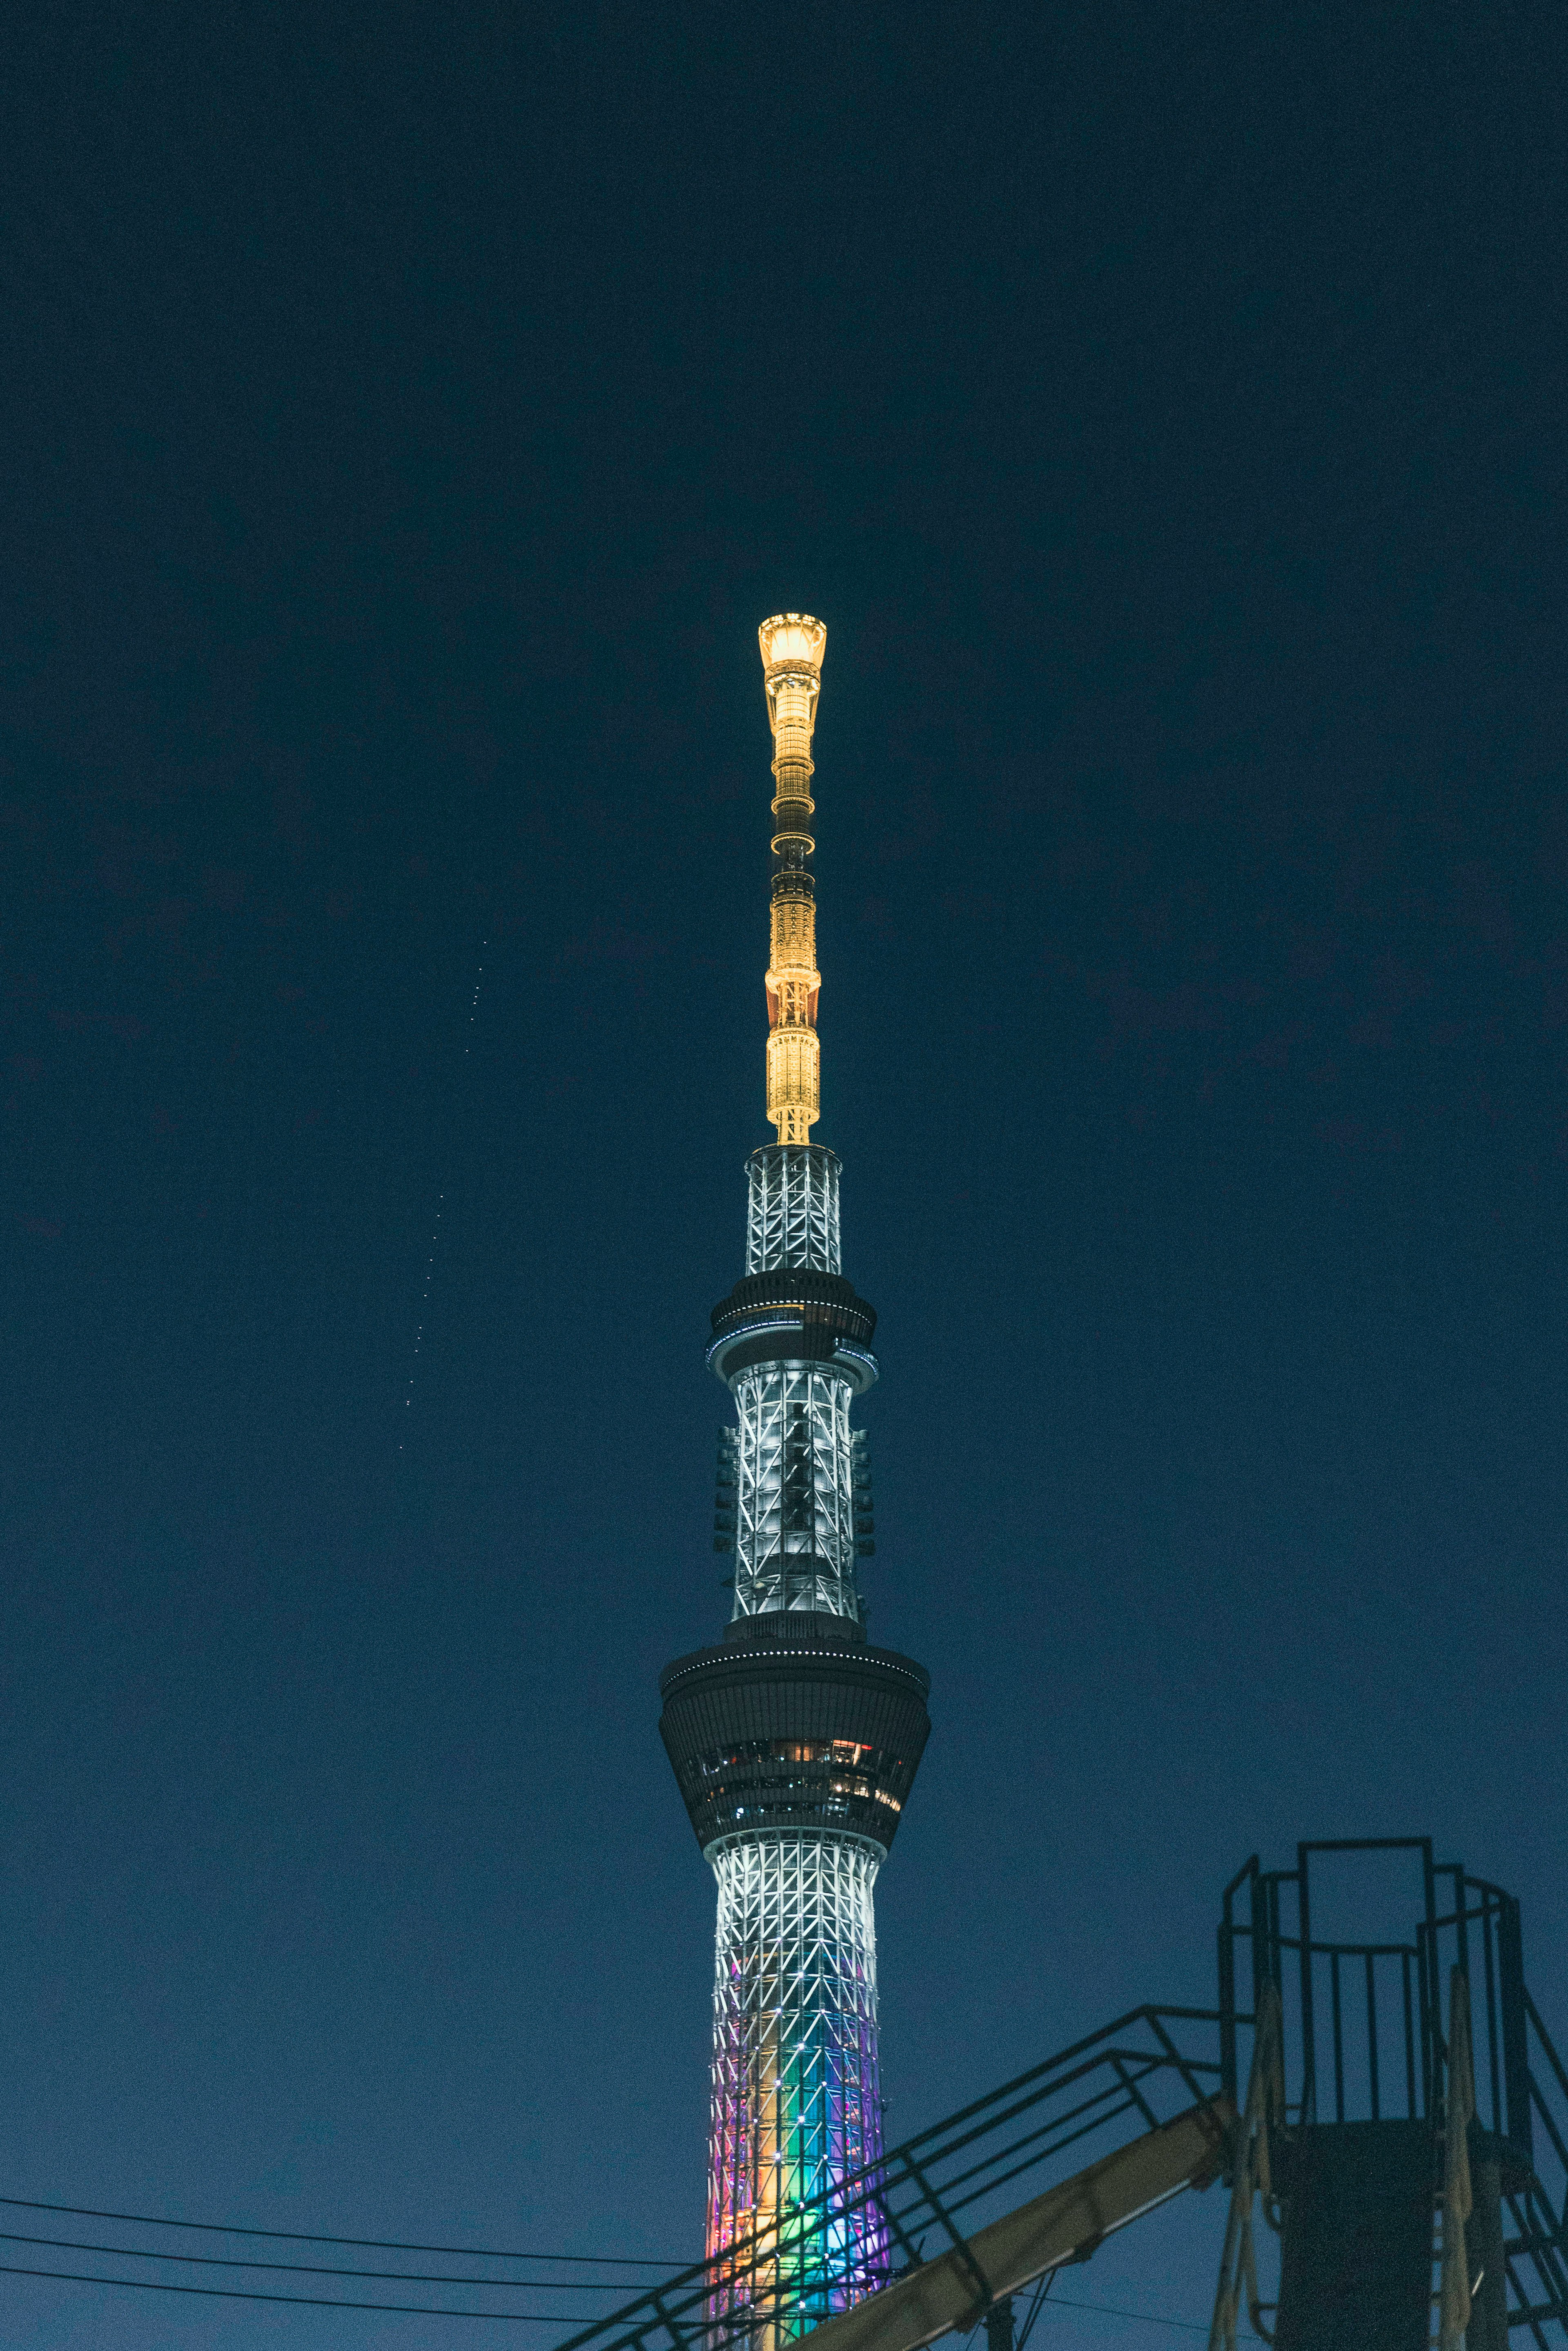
(408, 416)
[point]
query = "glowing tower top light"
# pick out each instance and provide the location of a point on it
(792, 647)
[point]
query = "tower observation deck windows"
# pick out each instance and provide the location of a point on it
(847, 1760)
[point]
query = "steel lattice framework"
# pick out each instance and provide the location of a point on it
(792, 1209)
(794, 1742)
(792, 647)
(795, 1545)
(1442, 2000)
(796, 2104)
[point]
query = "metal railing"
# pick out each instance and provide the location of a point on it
(942, 2185)
(1361, 2031)
(1537, 2253)
(1366, 2038)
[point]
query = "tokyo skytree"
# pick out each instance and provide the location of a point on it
(794, 1743)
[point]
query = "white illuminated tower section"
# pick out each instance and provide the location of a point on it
(795, 1743)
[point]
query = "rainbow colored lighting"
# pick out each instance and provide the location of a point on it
(797, 2105)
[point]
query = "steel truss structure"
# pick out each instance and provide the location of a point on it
(793, 1209)
(1346, 2048)
(796, 2102)
(797, 2105)
(792, 645)
(794, 1743)
(795, 1540)
(940, 2188)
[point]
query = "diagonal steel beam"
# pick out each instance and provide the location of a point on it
(1041, 2235)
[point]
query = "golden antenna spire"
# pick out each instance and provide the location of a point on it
(792, 645)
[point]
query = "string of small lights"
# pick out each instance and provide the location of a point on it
(440, 1209)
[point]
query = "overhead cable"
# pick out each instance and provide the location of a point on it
(310, 2269)
(363, 2244)
(304, 2301)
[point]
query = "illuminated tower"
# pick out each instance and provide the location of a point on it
(794, 1742)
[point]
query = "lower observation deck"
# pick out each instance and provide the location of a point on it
(794, 1723)
(795, 1314)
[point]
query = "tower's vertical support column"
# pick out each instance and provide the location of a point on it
(796, 2095)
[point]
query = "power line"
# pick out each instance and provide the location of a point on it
(389, 2245)
(427, 2310)
(361, 2244)
(1109, 2310)
(310, 2269)
(1036, 2302)
(304, 2300)
(1101, 2309)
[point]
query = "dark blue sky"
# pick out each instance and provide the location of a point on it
(409, 414)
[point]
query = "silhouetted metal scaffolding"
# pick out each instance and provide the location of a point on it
(1378, 2128)
(1467, 2079)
